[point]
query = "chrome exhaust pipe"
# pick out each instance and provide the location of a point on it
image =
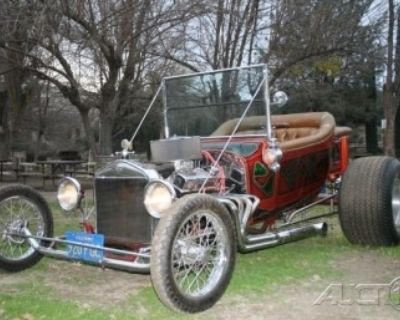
(243, 206)
(271, 239)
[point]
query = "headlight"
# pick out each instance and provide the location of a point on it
(158, 197)
(69, 193)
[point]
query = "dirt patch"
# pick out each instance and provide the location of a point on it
(94, 287)
(82, 284)
(296, 300)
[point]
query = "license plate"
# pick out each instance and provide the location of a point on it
(77, 252)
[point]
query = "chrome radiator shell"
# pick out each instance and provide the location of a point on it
(119, 193)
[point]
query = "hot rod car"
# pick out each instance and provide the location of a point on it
(229, 175)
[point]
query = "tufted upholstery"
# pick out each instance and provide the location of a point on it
(286, 134)
(293, 131)
(303, 129)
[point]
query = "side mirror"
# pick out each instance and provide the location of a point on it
(279, 99)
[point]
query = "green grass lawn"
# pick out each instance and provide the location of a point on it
(255, 274)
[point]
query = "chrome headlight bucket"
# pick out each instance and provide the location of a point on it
(158, 197)
(69, 193)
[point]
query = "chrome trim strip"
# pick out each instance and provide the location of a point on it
(145, 115)
(146, 172)
(214, 71)
(267, 102)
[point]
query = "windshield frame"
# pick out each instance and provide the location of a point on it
(127, 144)
(167, 128)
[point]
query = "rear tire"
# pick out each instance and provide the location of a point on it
(369, 201)
(193, 254)
(22, 206)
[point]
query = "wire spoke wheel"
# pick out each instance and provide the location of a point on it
(21, 207)
(193, 254)
(16, 213)
(199, 254)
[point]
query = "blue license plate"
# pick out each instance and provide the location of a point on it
(77, 252)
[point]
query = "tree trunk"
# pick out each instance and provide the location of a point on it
(397, 133)
(390, 108)
(42, 114)
(371, 135)
(88, 132)
(371, 130)
(105, 134)
(5, 150)
(391, 88)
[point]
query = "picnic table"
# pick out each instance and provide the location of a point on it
(60, 167)
(54, 169)
(2, 162)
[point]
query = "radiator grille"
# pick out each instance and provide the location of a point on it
(120, 210)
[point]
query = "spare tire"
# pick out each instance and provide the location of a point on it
(369, 201)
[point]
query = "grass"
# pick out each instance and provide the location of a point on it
(256, 274)
(41, 306)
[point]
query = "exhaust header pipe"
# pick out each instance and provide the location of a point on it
(243, 206)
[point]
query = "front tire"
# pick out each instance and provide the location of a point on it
(193, 254)
(22, 206)
(369, 201)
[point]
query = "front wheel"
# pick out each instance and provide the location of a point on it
(22, 207)
(193, 254)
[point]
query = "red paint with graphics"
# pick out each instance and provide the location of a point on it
(304, 169)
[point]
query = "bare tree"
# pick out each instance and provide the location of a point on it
(102, 53)
(222, 35)
(95, 52)
(19, 85)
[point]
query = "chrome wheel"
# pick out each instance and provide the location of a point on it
(396, 204)
(193, 254)
(199, 254)
(17, 212)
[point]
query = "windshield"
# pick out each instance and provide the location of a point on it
(198, 104)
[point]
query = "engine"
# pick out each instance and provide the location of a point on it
(192, 180)
(192, 166)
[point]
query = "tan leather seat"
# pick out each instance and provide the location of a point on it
(308, 129)
(249, 125)
(287, 134)
(293, 131)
